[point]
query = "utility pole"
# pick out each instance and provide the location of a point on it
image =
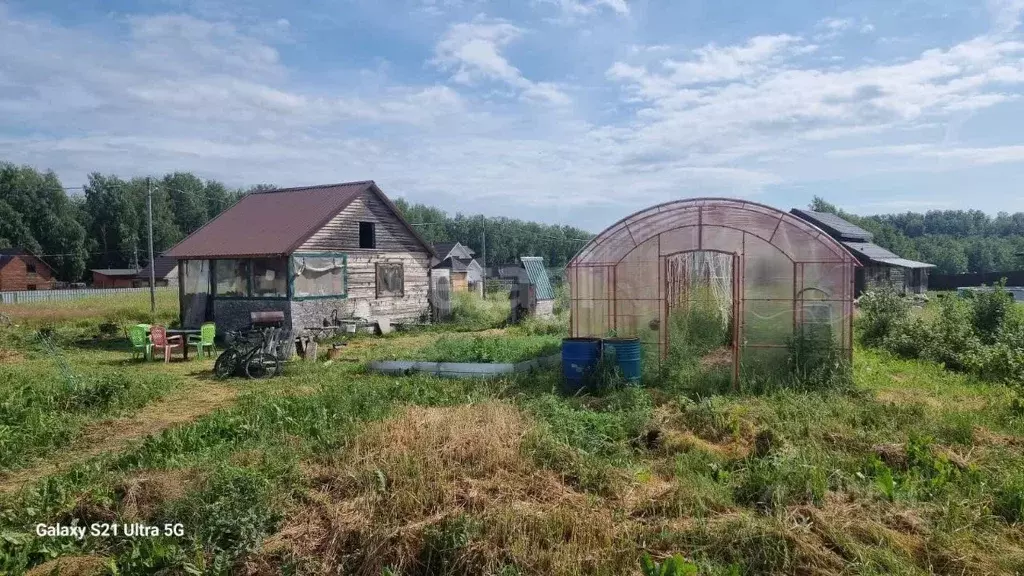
(483, 240)
(152, 268)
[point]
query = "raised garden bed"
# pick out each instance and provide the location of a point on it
(474, 356)
(480, 348)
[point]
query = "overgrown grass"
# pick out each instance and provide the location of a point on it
(910, 469)
(488, 348)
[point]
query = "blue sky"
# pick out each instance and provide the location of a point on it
(562, 111)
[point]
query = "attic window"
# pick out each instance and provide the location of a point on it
(367, 236)
(30, 268)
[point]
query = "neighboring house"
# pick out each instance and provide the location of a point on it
(165, 272)
(447, 250)
(319, 254)
(21, 270)
(879, 266)
(115, 278)
(465, 272)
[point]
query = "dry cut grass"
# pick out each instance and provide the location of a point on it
(444, 490)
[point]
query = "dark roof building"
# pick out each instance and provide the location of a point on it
(163, 266)
(277, 222)
(835, 226)
(879, 266)
(316, 255)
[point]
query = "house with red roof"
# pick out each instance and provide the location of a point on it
(318, 254)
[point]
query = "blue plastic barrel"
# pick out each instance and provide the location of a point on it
(627, 356)
(579, 358)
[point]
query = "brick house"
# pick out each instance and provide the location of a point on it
(21, 270)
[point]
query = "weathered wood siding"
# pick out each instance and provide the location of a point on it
(342, 232)
(395, 243)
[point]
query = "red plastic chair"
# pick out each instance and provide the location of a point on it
(158, 334)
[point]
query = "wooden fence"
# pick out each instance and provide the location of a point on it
(22, 297)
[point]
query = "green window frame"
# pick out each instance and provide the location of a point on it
(292, 274)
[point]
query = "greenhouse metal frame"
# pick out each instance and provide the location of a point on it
(786, 273)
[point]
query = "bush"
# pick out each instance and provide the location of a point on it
(989, 309)
(952, 340)
(882, 311)
(982, 334)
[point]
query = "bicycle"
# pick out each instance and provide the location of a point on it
(250, 353)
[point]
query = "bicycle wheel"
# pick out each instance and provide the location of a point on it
(262, 365)
(226, 364)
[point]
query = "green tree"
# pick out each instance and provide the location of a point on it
(35, 214)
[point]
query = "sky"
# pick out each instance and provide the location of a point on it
(574, 112)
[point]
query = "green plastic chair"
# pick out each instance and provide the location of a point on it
(139, 337)
(204, 341)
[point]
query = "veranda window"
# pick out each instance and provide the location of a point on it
(251, 278)
(270, 278)
(319, 275)
(232, 277)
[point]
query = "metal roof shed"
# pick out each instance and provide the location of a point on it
(538, 275)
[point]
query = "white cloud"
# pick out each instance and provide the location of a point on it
(832, 28)
(744, 101)
(1006, 14)
(973, 156)
(714, 63)
(472, 52)
(174, 92)
(573, 9)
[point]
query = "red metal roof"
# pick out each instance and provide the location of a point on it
(269, 223)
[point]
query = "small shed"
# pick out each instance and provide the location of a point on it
(536, 276)
(115, 278)
(21, 270)
(319, 254)
(879, 267)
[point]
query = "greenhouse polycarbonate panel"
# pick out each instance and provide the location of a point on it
(788, 272)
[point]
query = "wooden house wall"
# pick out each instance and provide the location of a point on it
(395, 243)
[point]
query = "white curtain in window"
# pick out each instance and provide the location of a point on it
(319, 275)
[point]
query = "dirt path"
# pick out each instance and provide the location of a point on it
(115, 435)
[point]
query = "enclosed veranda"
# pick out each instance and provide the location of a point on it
(738, 283)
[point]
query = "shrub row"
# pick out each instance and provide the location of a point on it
(982, 334)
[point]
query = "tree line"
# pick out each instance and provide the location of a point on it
(103, 224)
(956, 241)
(506, 238)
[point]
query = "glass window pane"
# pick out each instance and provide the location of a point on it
(269, 278)
(319, 276)
(232, 277)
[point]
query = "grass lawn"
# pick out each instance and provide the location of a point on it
(331, 470)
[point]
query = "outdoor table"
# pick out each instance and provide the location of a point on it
(184, 333)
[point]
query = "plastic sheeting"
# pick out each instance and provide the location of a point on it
(785, 273)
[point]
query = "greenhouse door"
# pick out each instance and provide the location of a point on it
(702, 309)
